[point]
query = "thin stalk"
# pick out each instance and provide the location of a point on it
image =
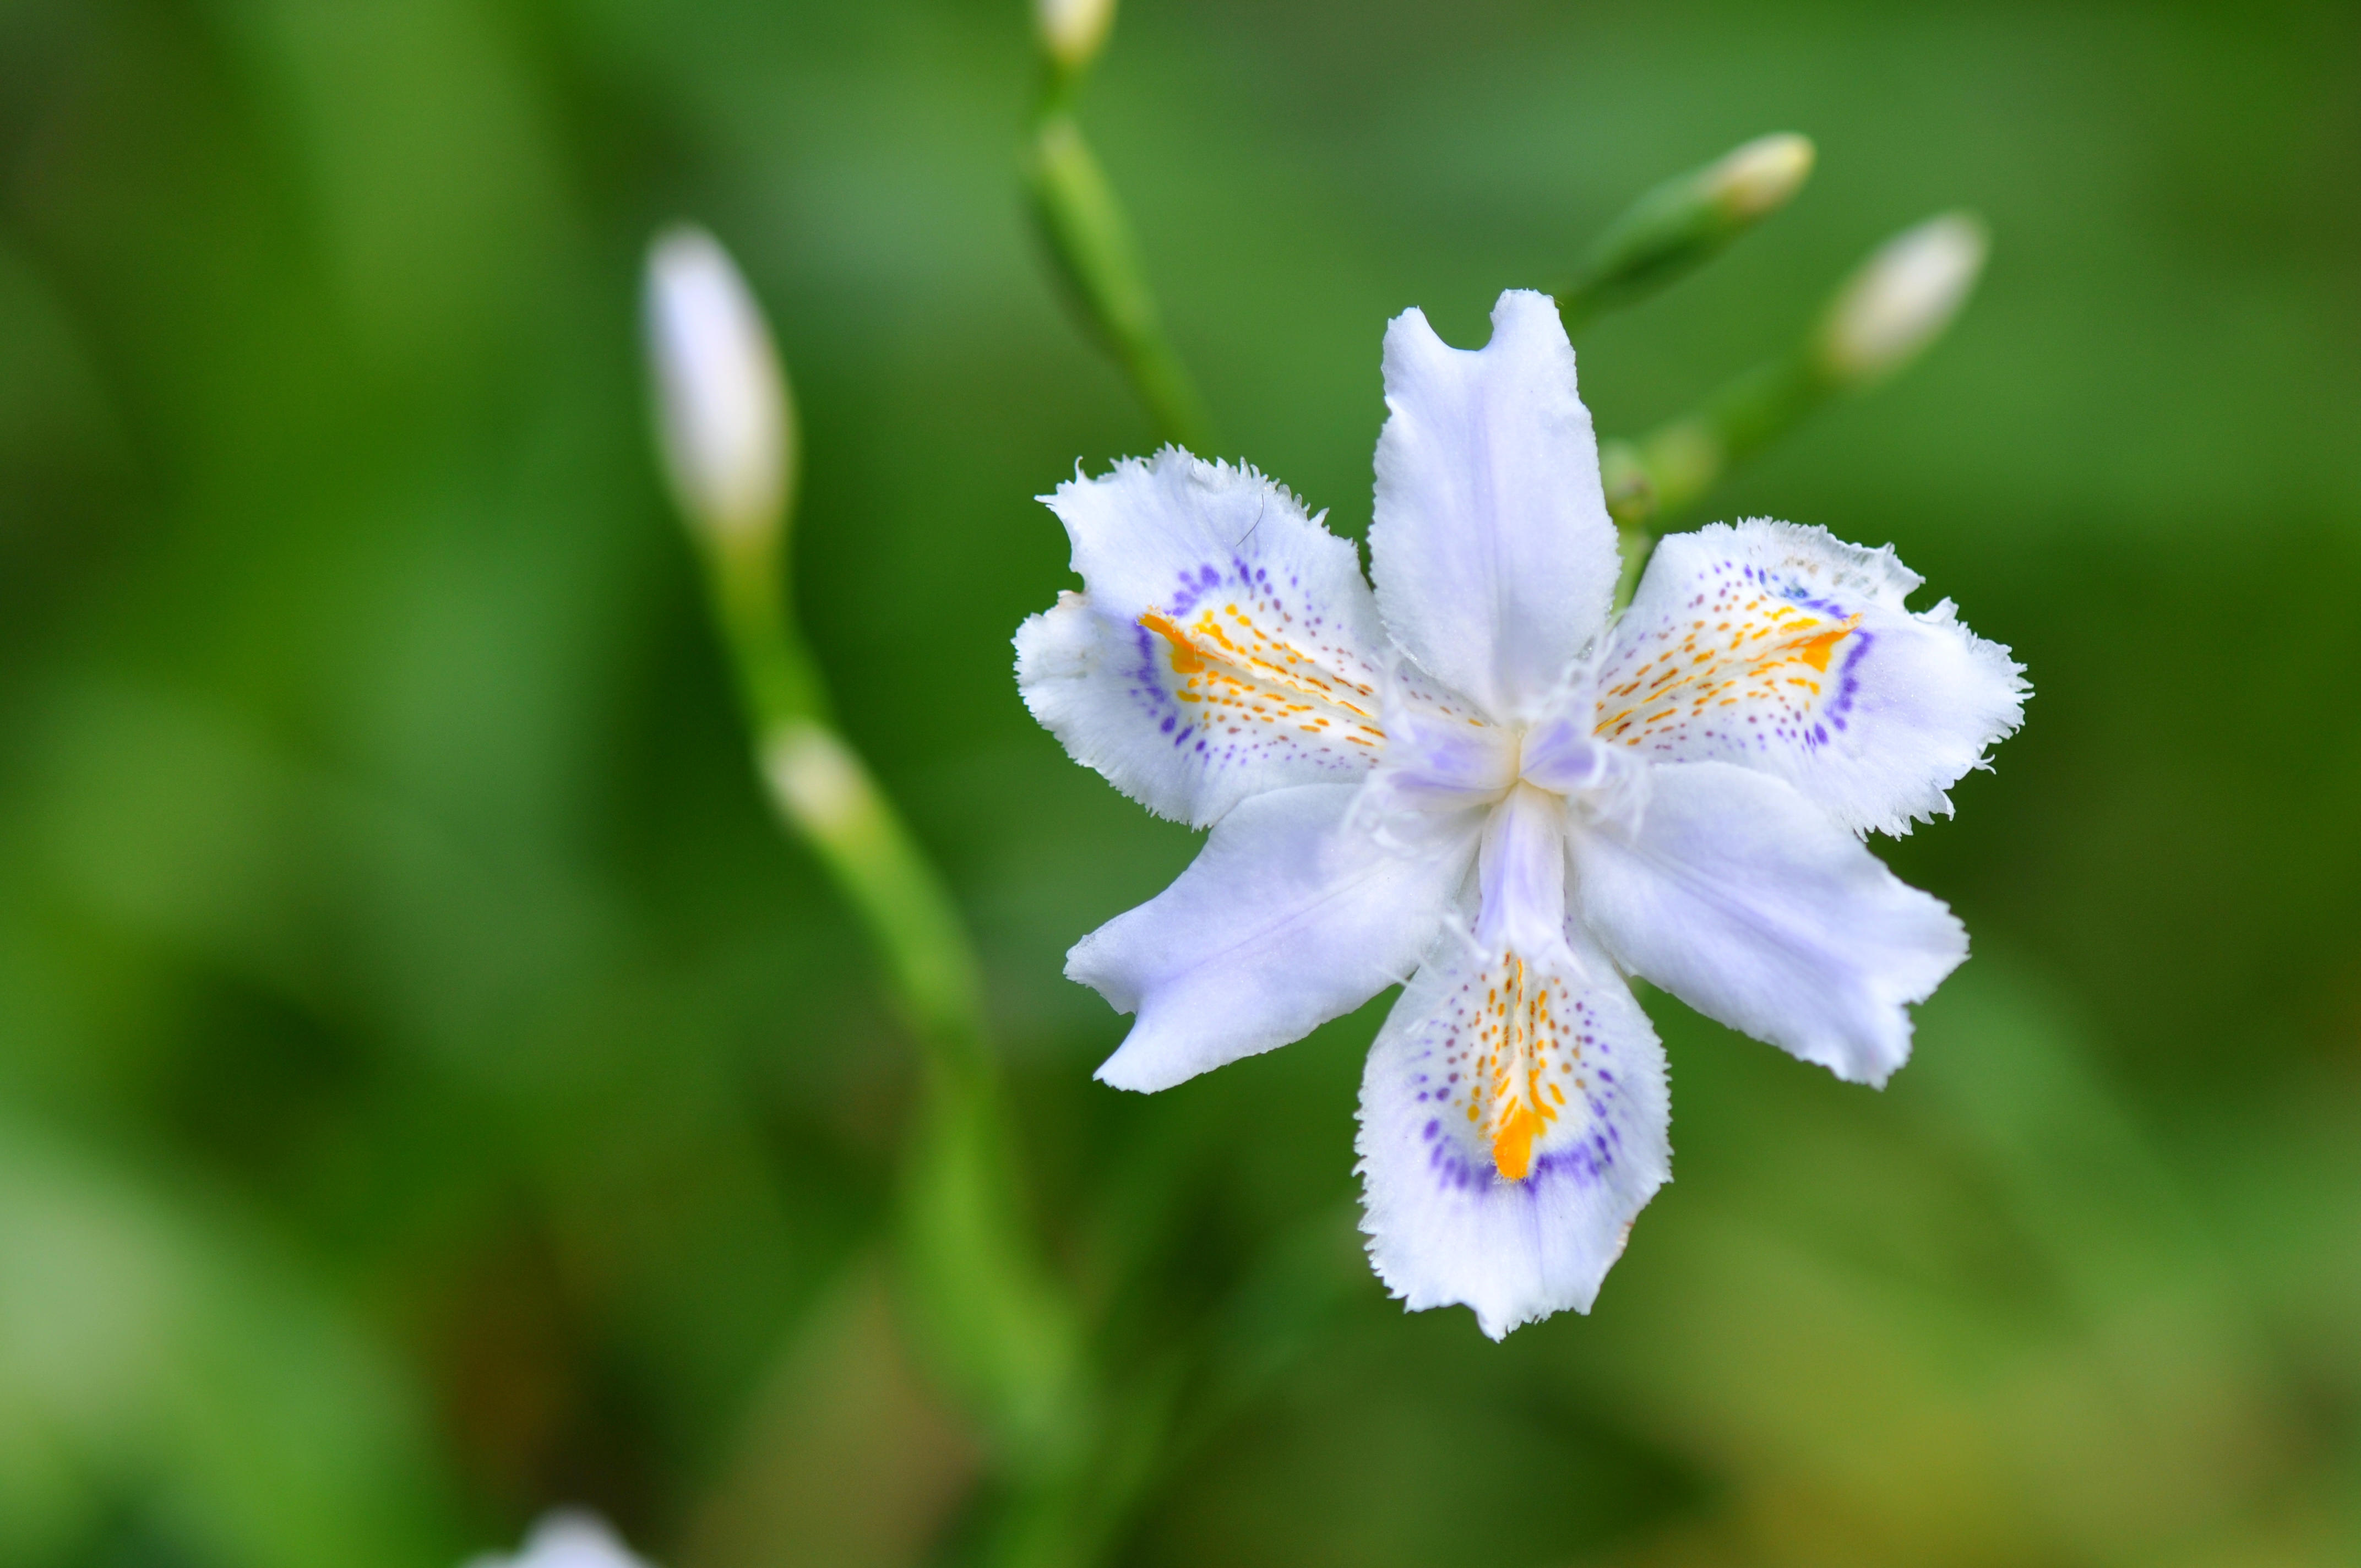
(992, 1322)
(1096, 261)
(1681, 225)
(1670, 469)
(1880, 319)
(996, 1327)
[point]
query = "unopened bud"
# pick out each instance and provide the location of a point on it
(722, 408)
(1758, 179)
(1687, 220)
(567, 1539)
(1900, 299)
(818, 779)
(1072, 31)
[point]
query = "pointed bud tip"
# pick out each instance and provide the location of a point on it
(569, 1538)
(1685, 222)
(1903, 298)
(1072, 31)
(1758, 179)
(721, 397)
(819, 779)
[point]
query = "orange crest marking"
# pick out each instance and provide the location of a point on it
(1764, 654)
(1513, 1055)
(1245, 675)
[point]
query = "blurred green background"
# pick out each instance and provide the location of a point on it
(431, 1089)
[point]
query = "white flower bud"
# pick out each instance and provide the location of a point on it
(1761, 177)
(1684, 222)
(567, 1539)
(1072, 31)
(721, 397)
(1902, 298)
(818, 778)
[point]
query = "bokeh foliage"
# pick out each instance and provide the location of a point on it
(430, 1089)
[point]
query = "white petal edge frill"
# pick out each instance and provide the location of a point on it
(1751, 906)
(1781, 648)
(1494, 556)
(1224, 643)
(1446, 1227)
(1288, 916)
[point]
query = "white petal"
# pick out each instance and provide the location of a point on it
(1780, 649)
(1225, 642)
(1446, 1224)
(1287, 919)
(1520, 872)
(1494, 555)
(1741, 899)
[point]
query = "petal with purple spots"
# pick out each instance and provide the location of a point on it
(1513, 1121)
(1226, 644)
(1779, 649)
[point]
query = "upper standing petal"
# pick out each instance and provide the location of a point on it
(1737, 898)
(1226, 644)
(1780, 649)
(1288, 917)
(1493, 553)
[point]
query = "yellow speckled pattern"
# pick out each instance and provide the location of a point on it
(1511, 1057)
(1249, 678)
(1742, 665)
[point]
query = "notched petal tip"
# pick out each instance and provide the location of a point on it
(1520, 317)
(1494, 554)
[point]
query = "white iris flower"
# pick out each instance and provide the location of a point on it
(1473, 780)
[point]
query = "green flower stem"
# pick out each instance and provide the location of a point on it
(996, 1327)
(1889, 312)
(1088, 238)
(1073, 1516)
(1669, 469)
(1673, 464)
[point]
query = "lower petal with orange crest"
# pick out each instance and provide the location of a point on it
(1515, 1120)
(1513, 1112)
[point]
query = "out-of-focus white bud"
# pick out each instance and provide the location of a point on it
(1902, 298)
(820, 780)
(1686, 221)
(567, 1539)
(722, 408)
(1758, 179)
(1072, 31)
